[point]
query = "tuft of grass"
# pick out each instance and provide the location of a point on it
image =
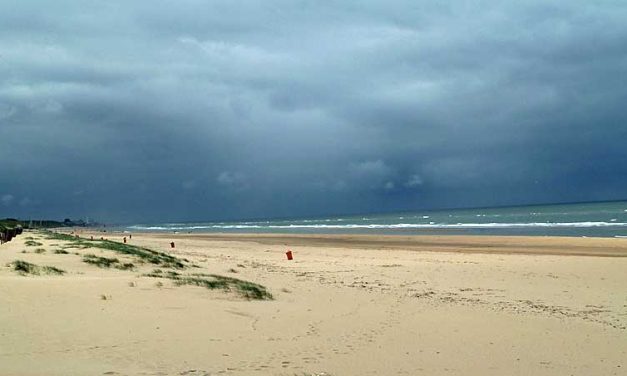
(126, 266)
(101, 262)
(248, 290)
(52, 270)
(61, 252)
(40, 250)
(24, 268)
(107, 262)
(131, 284)
(32, 243)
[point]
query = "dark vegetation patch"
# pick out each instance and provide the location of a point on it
(248, 290)
(24, 268)
(32, 243)
(61, 252)
(58, 236)
(142, 254)
(52, 270)
(75, 246)
(107, 262)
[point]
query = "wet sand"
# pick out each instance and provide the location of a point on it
(566, 246)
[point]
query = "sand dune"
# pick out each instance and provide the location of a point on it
(346, 305)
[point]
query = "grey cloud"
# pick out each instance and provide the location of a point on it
(194, 110)
(234, 180)
(414, 181)
(371, 175)
(7, 199)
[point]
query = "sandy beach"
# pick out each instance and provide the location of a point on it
(346, 305)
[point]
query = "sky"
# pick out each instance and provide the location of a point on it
(174, 110)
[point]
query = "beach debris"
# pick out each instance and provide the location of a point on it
(171, 244)
(289, 255)
(125, 240)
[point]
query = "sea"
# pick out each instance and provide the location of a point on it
(598, 219)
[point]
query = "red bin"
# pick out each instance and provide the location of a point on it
(172, 245)
(289, 255)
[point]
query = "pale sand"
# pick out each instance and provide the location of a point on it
(346, 305)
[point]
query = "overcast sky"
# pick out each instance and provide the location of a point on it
(196, 110)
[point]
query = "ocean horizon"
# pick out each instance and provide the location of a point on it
(595, 219)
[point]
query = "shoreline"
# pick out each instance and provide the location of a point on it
(486, 244)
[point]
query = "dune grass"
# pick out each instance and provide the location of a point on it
(58, 236)
(248, 290)
(145, 254)
(142, 254)
(32, 243)
(25, 268)
(107, 262)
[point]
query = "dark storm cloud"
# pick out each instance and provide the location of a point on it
(170, 110)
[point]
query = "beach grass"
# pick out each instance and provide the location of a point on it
(143, 254)
(25, 268)
(52, 270)
(59, 236)
(107, 262)
(248, 290)
(32, 243)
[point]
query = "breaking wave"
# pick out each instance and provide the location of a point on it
(384, 226)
